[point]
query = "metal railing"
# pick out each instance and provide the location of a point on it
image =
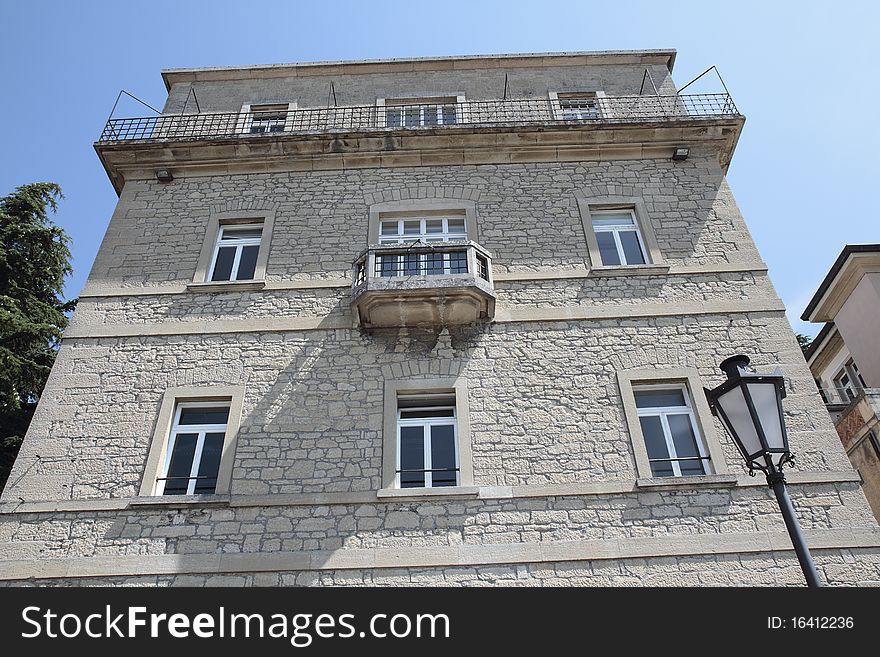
(594, 110)
(422, 259)
(840, 396)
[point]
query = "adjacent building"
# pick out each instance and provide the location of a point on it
(423, 321)
(845, 357)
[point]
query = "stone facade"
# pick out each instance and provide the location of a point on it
(556, 497)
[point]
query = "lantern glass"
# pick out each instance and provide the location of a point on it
(766, 401)
(739, 421)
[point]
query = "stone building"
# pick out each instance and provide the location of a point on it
(845, 357)
(423, 321)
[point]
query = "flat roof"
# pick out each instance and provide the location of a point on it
(460, 62)
(830, 278)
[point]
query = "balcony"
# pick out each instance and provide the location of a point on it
(420, 285)
(368, 118)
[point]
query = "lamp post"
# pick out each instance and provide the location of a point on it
(749, 405)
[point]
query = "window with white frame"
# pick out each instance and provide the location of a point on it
(427, 441)
(399, 113)
(236, 251)
(578, 107)
(431, 229)
(195, 447)
(669, 427)
(268, 118)
(619, 239)
(848, 381)
(403, 230)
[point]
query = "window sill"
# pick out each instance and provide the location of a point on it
(179, 500)
(672, 483)
(629, 270)
(421, 493)
(226, 286)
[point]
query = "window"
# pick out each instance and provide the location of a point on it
(426, 440)
(235, 256)
(429, 229)
(848, 381)
(618, 237)
(427, 443)
(268, 118)
(194, 439)
(400, 113)
(195, 448)
(578, 107)
(845, 385)
(619, 233)
(670, 431)
(425, 229)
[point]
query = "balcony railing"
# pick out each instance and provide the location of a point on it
(840, 396)
(593, 110)
(423, 284)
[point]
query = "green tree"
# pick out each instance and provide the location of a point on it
(804, 341)
(34, 260)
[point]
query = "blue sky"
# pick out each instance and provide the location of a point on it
(804, 74)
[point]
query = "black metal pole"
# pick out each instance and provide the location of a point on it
(776, 481)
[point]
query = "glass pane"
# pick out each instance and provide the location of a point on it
(241, 233)
(458, 262)
(393, 117)
(448, 114)
(764, 397)
(209, 466)
(177, 478)
(412, 115)
(411, 265)
(412, 227)
(653, 398)
(631, 248)
(456, 226)
(434, 264)
(386, 265)
(739, 419)
(685, 444)
(412, 457)
(443, 456)
(655, 442)
(388, 227)
(613, 219)
(248, 263)
(433, 226)
(431, 114)
(607, 248)
(662, 469)
(427, 412)
(223, 264)
(204, 415)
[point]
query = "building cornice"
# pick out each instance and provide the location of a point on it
(503, 314)
(573, 489)
(664, 57)
(442, 146)
(438, 556)
(101, 291)
(854, 261)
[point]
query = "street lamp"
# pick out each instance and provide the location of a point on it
(750, 407)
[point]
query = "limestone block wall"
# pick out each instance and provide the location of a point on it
(527, 216)
(544, 400)
(557, 496)
(364, 89)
